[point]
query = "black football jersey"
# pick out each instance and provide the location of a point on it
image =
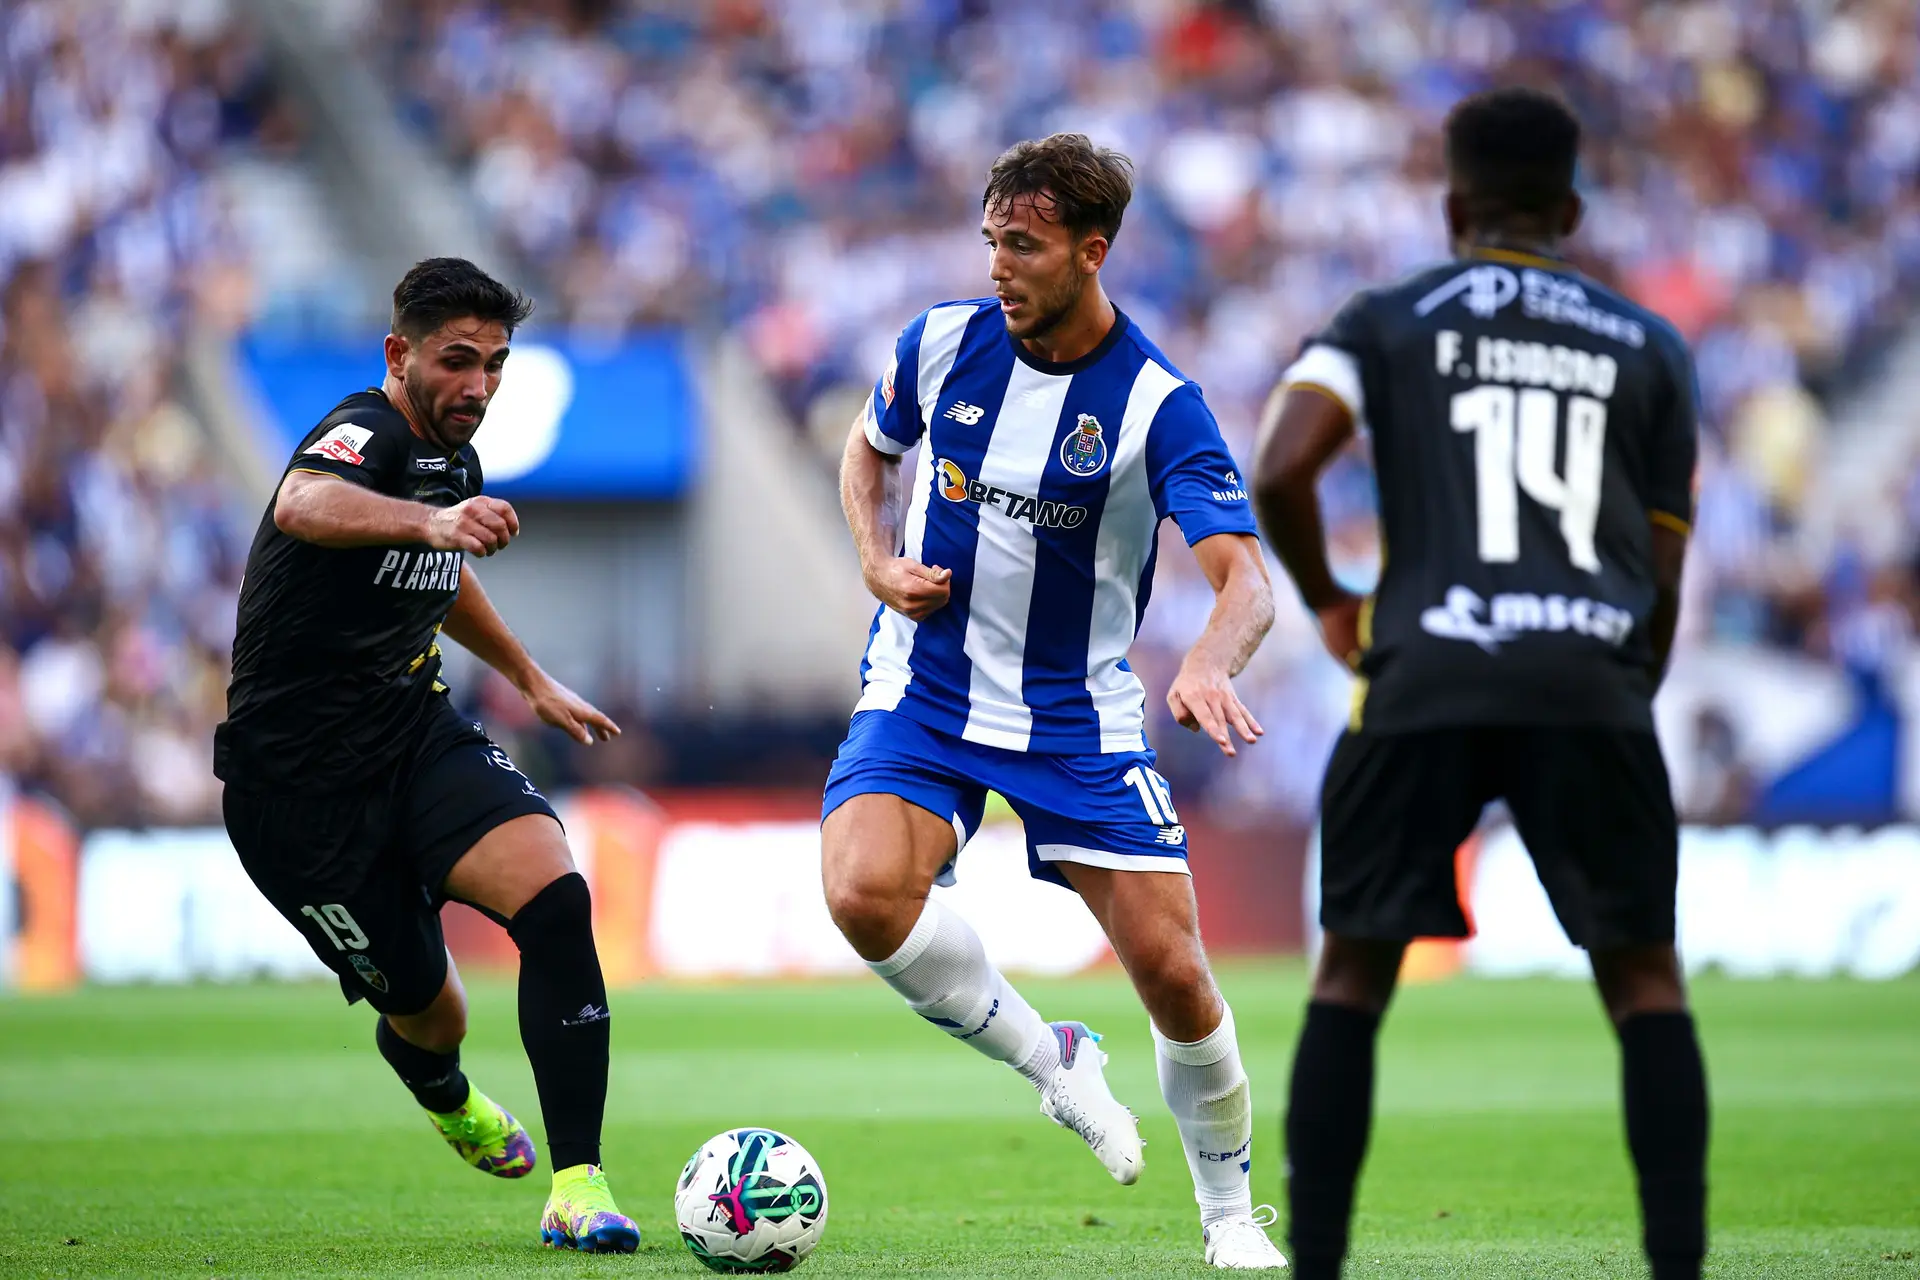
(337, 650)
(1528, 427)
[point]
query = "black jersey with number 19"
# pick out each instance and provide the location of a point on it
(337, 659)
(1529, 426)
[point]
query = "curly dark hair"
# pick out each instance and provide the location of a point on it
(1082, 187)
(1513, 151)
(441, 289)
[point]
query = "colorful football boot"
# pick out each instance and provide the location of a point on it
(486, 1136)
(581, 1214)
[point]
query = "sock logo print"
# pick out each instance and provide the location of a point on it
(588, 1013)
(953, 1028)
(1243, 1155)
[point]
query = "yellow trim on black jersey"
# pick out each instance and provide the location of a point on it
(1667, 520)
(1519, 258)
(1322, 389)
(1363, 632)
(310, 471)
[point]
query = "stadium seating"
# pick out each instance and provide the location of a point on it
(121, 544)
(806, 174)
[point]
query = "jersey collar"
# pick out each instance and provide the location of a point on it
(1518, 257)
(1087, 361)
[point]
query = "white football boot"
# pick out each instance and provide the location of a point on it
(1076, 1097)
(1239, 1242)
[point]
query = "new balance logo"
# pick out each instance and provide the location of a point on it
(967, 415)
(588, 1013)
(1173, 835)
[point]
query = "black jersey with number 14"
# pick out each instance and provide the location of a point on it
(1529, 427)
(337, 654)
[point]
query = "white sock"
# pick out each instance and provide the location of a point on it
(943, 972)
(1206, 1089)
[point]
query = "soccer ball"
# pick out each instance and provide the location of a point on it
(751, 1200)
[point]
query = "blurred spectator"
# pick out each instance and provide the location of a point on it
(120, 545)
(804, 172)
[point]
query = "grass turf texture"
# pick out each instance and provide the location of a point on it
(253, 1131)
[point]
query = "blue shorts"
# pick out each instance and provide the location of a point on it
(1108, 810)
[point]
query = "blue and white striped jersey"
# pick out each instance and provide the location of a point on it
(1041, 486)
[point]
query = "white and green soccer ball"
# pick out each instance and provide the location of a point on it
(751, 1200)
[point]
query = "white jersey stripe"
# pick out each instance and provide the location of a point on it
(1004, 558)
(1118, 698)
(939, 345)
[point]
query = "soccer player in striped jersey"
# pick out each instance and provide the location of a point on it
(1054, 438)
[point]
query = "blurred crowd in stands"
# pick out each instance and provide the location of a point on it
(120, 545)
(802, 176)
(806, 174)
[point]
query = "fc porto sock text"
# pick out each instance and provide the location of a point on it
(942, 972)
(563, 1017)
(1206, 1089)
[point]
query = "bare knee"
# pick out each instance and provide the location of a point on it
(878, 859)
(1358, 972)
(1645, 979)
(1177, 988)
(874, 915)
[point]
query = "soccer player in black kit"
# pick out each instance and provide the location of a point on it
(359, 800)
(1533, 434)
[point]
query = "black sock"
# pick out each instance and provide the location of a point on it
(1664, 1083)
(435, 1078)
(563, 1017)
(1329, 1110)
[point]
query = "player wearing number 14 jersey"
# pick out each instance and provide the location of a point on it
(1533, 435)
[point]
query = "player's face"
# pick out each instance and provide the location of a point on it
(451, 374)
(1039, 268)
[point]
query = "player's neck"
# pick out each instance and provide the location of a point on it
(397, 397)
(1080, 332)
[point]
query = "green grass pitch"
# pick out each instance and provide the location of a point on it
(253, 1131)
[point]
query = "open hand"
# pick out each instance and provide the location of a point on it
(1202, 699)
(564, 709)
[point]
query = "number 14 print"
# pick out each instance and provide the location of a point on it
(1515, 434)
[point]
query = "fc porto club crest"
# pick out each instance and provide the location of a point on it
(1084, 451)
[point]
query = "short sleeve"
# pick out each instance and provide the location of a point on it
(1674, 449)
(367, 453)
(892, 417)
(1330, 361)
(1192, 474)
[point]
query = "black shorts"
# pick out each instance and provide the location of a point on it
(359, 872)
(1592, 806)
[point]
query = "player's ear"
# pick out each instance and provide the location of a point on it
(1093, 252)
(396, 351)
(1571, 214)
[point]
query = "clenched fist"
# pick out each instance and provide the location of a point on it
(479, 526)
(909, 587)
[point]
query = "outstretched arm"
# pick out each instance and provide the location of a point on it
(1202, 696)
(870, 495)
(321, 508)
(478, 626)
(1300, 432)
